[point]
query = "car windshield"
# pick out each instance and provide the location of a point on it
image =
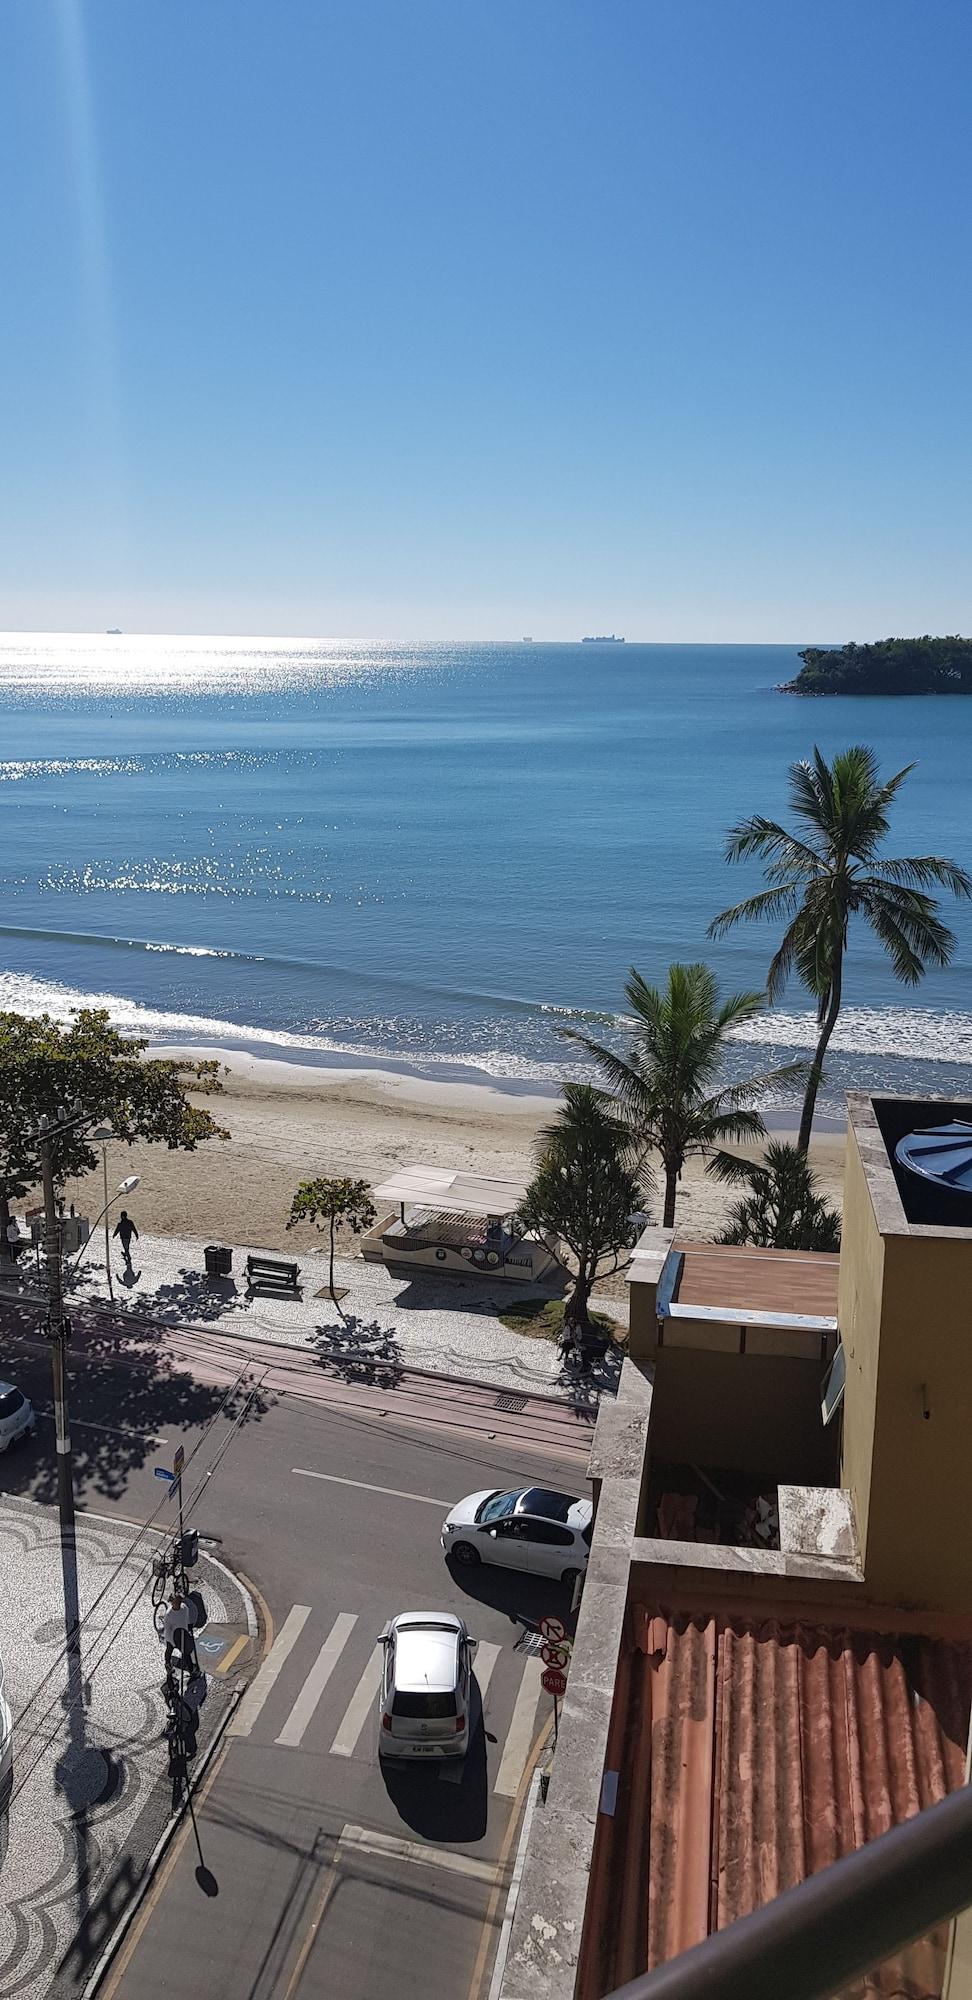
(427, 1707)
(498, 1506)
(539, 1500)
(10, 1403)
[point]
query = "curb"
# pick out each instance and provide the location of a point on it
(117, 1938)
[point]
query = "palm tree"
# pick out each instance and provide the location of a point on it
(829, 871)
(664, 1082)
(783, 1208)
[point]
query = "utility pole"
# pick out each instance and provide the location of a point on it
(58, 1332)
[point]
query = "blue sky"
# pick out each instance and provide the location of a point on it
(462, 318)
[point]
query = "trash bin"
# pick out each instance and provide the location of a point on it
(225, 1261)
(212, 1254)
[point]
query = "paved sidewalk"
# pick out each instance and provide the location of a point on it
(91, 1791)
(416, 1321)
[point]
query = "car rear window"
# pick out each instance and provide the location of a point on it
(424, 1707)
(11, 1403)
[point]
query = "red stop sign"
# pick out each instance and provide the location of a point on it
(554, 1681)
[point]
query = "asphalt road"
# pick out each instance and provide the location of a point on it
(330, 1875)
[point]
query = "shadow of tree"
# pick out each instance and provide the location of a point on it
(189, 1299)
(123, 1395)
(359, 1350)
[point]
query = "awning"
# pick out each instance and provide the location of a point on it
(454, 1193)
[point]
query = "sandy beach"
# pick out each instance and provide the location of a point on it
(289, 1122)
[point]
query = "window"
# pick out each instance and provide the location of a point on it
(425, 1706)
(497, 1507)
(549, 1534)
(539, 1500)
(11, 1403)
(833, 1387)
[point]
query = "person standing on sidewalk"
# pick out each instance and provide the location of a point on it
(176, 1633)
(13, 1241)
(125, 1228)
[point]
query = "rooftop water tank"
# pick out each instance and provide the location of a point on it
(940, 1160)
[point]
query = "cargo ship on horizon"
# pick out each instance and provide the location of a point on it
(602, 639)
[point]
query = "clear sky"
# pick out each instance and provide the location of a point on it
(474, 318)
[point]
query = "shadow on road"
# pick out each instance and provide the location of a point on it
(523, 1599)
(443, 1803)
(123, 1398)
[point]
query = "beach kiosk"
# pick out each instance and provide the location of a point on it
(463, 1223)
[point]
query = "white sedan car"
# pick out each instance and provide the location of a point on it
(16, 1415)
(534, 1529)
(426, 1686)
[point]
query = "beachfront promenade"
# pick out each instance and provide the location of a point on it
(449, 1326)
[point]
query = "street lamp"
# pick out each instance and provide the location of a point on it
(127, 1186)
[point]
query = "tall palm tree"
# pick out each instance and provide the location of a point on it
(664, 1081)
(829, 871)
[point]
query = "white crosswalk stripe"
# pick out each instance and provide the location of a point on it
(520, 1733)
(486, 1657)
(360, 1707)
(317, 1680)
(262, 1682)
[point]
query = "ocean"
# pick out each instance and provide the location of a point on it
(437, 857)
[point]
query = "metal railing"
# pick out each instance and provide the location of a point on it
(835, 1927)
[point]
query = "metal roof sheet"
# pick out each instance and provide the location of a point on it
(453, 1192)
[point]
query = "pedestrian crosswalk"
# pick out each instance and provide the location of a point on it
(317, 1690)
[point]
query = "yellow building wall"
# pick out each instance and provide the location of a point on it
(905, 1309)
(859, 1305)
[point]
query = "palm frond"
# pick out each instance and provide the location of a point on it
(769, 903)
(912, 869)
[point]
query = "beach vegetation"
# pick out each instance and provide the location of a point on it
(888, 666)
(782, 1208)
(543, 1319)
(330, 1203)
(45, 1064)
(586, 1188)
(664, 1080)
(829, 870)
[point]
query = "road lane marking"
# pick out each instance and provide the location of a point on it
(391, 1492)
(360, 1706)
(317, 1680)
(234, 1652)
(263, 1681)
(387, 1846)
(485, 1660)
(520, 1734)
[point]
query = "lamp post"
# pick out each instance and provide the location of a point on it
(58, 1332)
(101, 1135)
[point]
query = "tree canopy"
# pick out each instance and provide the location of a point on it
(586, 1189)
(44, 1064)
(887, 666)
(783, 1209)
(664, 1081)
(328, 1202)
(831, 869)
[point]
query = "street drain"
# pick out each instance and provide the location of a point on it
(511, 1404)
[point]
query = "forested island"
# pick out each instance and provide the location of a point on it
(889, 666)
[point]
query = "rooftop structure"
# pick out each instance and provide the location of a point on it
(466, 1224)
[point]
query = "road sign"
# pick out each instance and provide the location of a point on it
(162, 1472)
(554, 1681)
(555, 1656)
(553, 1629)
(178, 1461)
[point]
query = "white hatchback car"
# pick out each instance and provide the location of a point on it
(426, 1684)
(16, 1415)
(534, 1529)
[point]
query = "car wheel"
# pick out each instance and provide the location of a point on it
(570, 1577)
(465, 1553)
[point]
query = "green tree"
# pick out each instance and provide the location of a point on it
(328, 1202)
(783, 1209)
(664, 1082)
(831, 870)
(585, 1190)
(44, 1064)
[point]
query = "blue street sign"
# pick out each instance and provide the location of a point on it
(162, 1472)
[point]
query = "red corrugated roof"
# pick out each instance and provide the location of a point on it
(752, 1754)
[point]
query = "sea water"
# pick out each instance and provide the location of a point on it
(438, 856)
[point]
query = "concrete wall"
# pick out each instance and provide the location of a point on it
(906, 1324)
(859, 1298)
(647, 1264)
(751, 1413)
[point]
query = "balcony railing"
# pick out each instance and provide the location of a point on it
(834, 1928)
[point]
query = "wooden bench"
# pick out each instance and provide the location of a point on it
(269, 1274)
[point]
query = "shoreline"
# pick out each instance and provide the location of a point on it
(291, 1121)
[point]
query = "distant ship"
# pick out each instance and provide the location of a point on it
(527, 639)
(602, 639)
(114, 632)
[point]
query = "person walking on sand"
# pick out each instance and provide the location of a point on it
(125, 1228)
